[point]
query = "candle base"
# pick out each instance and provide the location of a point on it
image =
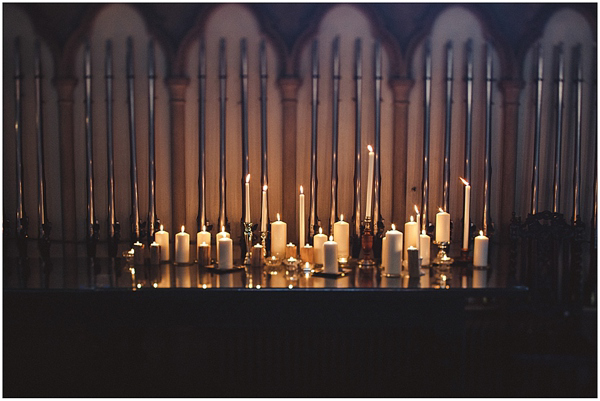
(248, 242)
(366, 242)
(442, 259)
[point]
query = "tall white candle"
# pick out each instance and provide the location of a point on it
(480, 250)
(411, 236)
(425, 248)
(162, 238)
(394, 251)
(225, 253)
(182, 246)
(278, 238)
(341, 235)
(466, 214)
(203, 236)
(263, 211)
(301, 222)
(418, 227)
(330, 252)
(370, 177)
(442, 226)
(318, 241)
(247, 189)
(222, 234)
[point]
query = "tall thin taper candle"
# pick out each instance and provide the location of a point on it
(263, 118)
(469, 129)
(222, 134)
(40, 141)
(369, 208)
(202, 136)
(247, 196)
(560, 84)
(334, 132)
(151, 153)
(312, 213)
(448, 127)
(377, 135)
(466, 214)
(301, 219)
(357, 137)
(264, 218)
(245, 156)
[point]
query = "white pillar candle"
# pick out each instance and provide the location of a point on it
(466, 214)
(411, 236)
(479, 278)
(278, 238)
(301, 222)
(162, 238)
(247, 189)
(225, 245)
(442, 226)
(341, 235)
(480, 250)
(203, 236)
(394, 251)
(330, 253)
(384, 252)
(222, 234)
(263, 213)
(182, 246)
(318, 241)
(425, 248)
(370, 177)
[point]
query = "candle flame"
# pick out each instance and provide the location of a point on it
(370, 148)
(161, 227)
(204, 243)
(393, 226)
(423, 232)
(412, 219)
(441, 210)
(204, 228)
(301, 189)
(320, 230)
(481, 232)
(278, 217)
(247, 178)
(222, 229)
(341, 217)
(416, 209)
(464, 181)
(265, 188)
(331, 238)
(182, 229)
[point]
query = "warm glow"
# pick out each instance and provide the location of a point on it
(341, 217)
(423, 232)
(301, 189)
(481, 233)
(320, 230)
(416, 209)
(247, 178)
(411, 219)
(203, 228)
(331, 238)
(278, 217)
(161, 227)
(222, 229)
(182, 229)
(204, 243)
(464, 181)
(393, 226)
(370, 148)
(290, 286)
(265, 188)
(155, 285)
(441, 210)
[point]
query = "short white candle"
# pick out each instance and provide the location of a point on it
(466, 213)
(162, 238)
(480, 250)
(182, 246)
(263, 211)
(425, 248)
(370, 177)
(394, 251)
(278, 238)
(411, 236)
(222, 234)
(225, 246)
(318, 241)
(301, 219)
(203, 236)
(330, 252)
(247, 189)
(442, 226)
(341, 235)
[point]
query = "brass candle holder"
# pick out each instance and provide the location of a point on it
(366, 242)
(248, 241)
(442, 259)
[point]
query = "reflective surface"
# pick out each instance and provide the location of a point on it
(105, 273)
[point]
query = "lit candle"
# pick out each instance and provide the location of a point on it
(225, 245)
(203, 236)
(466, 214)
(278, 238)
(318, 241)
(330, 252)
(442, 226)
(306, 253)
(203, 254)
(370, 176)
(154, 253)
(411, 236)
(480, 250)
(138, 255)
(301, 222)
(182, 246)
(257, 258)
(425, 248)
(291, 251)
(162, 238)
(341, 235)
(263, 214)
(418, 227)
(247, 188)
(222, 234)
(394, 251)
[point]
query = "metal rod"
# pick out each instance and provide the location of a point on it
(91, 211)
(245, 157)
(578, 107)
(560, 83)
(263, 117)
(487, 161)
(135, 213)
(312, 215)
(356, 218)
(22, 223)
(43, 223)
(202, 137)
(469, 122)
(538, 121)
(334, 132)
(448, 130)
(594, 134)
(153, 222)
(427, 116)
(222, 102)
(113, 225)
(377, 218)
